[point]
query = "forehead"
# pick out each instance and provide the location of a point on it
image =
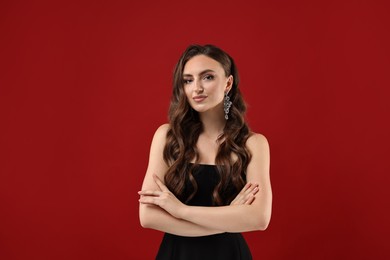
(200, 63)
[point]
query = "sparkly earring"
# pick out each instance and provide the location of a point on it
(226, 105)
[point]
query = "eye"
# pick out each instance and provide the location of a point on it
(209, 77)
(187, 81)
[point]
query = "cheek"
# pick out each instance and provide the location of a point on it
(187, 91)
(217, 90)
(220, 97)
(188, 94)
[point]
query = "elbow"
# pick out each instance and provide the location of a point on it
(144, 218)
(261, 226)
(144, 222)
(261, 223)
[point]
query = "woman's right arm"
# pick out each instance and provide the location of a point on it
(155, 217)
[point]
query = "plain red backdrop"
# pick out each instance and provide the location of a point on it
(84, 85)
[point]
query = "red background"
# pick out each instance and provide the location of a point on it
(84, 85)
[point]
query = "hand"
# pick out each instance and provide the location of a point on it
(162, 198)
(246, 195)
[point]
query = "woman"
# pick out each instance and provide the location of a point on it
(208, 175)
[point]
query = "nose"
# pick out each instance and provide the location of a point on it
(198, 86)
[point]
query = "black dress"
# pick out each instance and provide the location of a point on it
(224, 246)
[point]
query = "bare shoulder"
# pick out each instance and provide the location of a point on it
(158, 144)
(161, 133)
(257, 143)
(259, 165)
(156, 164)
(162, 129)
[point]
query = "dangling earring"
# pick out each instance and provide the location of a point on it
(226, 105)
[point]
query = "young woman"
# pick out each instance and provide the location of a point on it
(208, 174)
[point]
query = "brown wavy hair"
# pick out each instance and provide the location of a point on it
(185, 128)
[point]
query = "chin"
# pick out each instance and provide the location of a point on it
(199, 110)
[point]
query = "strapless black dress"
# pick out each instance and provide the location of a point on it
(224, 246)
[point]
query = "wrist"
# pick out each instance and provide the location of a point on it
(183, 212)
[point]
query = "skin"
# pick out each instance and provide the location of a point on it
(250, 210)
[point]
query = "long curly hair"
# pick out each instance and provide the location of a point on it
(185, 128)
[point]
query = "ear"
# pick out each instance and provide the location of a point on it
(229, 84)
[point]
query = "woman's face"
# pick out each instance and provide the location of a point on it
(205, 83)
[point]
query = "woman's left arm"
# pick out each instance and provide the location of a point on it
(232, 218)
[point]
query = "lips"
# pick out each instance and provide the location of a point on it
(199, 98)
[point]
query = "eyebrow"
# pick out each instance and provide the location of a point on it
(201, 73)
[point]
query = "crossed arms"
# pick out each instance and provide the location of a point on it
(251, 210)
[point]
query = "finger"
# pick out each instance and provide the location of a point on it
(250, 200)
(237, 199)
(253, 188)
(150, 192)
(240, 198)
(233, 201)
(159, 183)
(245, 194)
(147, 200)
(246, 187)
(250, 193)
(245, 190)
